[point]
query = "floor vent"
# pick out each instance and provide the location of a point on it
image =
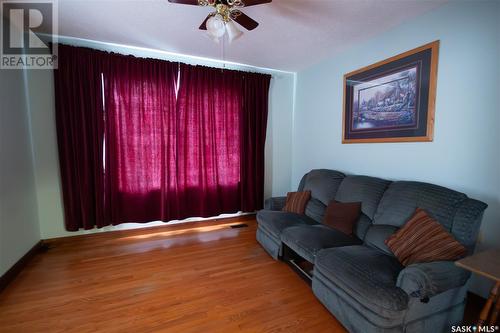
(238, 226)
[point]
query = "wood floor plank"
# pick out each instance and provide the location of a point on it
(199, 277)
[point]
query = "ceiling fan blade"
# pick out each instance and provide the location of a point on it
(249, 3)
(185, 2)
(246, 21)
(203, 26)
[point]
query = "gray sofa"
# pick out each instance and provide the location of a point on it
(357, 277)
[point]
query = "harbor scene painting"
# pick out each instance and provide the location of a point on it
(392, 100)
(387, 101)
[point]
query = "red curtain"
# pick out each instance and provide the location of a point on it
(80, 133)
(141, 138)
(208, 128)
(151, 152)
(253, 129)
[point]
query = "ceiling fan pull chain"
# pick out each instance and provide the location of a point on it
(223, 45)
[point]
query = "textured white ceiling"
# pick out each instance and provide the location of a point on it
(292, 35)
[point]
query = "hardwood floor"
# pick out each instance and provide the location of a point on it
(200, 277)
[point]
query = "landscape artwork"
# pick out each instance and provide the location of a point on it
(386, 102)
(392, 100)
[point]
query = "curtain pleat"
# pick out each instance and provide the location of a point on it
(254, 114)
(140, 113)
(80, 134)
(208, 149)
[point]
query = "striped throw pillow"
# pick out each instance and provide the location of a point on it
(296, 202)
(423, 239)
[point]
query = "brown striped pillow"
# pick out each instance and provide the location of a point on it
(296, 202)
(423, 239)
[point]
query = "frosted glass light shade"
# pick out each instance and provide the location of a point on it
(233, 32)
(216, 26)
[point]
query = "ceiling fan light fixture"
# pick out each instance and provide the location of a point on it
(213, 38)
(216, 26)
(224, 17)
(233, 32)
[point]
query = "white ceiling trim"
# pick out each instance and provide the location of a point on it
(145, 52)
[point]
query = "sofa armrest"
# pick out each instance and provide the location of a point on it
(425, 280)
(276, 203)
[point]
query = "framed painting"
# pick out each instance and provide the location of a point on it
(392, 100)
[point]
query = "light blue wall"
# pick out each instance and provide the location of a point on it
(19, 230)
(465, 154)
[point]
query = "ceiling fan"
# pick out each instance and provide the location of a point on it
(226, 13)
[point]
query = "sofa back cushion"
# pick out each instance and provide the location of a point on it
(323, 184)
(377, 235)
(362, 226)
(458, 214)
(364, 189)
(315, 209)
(403, 197)
(467, 221)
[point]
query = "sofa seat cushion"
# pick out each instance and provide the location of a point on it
(274, 222)
(365, 274)
(307, 240)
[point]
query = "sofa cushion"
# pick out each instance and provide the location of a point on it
(366, 274)
(342, 216)
(315, 210)
(296, 202)
(270, 243)
(323, 184)
(431, 278)
(306, 241)
(362, 225)
(467, 221)
(402, 198)
(423, 239)
(274, 222)
(377, 235)
(275, 203)
(364, 189)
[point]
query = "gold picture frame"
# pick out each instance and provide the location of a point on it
(392, 100)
